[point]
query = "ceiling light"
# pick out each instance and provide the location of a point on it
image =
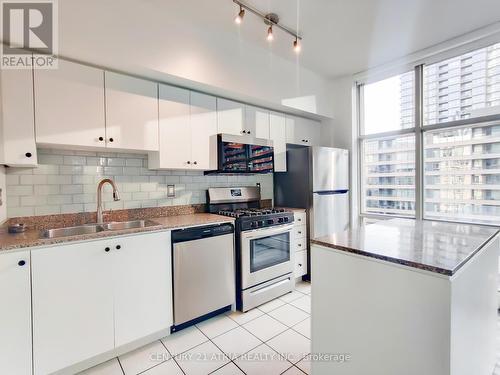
(270, 36)
(296, 46)
(239, 17)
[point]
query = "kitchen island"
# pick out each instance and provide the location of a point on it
(406, 297)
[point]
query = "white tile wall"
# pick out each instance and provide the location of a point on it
(66, 182)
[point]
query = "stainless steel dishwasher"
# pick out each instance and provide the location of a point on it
(203, 273)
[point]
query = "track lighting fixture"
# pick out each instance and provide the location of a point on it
(270, 19)
(239, 17)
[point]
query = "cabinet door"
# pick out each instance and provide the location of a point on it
(18, 126)
(257, 122)
(302, 131)
(142, 284)
(277, 127)
(204, 131)
(72, 304)
(175, 130)
(15, 314)
(230, 117)
(69, 105)
(131, 113)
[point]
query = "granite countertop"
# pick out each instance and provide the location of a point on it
(434, 246)
(31, 238)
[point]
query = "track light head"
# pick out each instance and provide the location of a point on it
(296, 45)
(239, 17)
(270, 36)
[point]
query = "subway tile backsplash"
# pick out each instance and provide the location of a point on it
(66, 182)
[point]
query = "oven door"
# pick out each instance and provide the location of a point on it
(266, 254)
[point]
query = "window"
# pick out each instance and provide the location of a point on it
(458, 178)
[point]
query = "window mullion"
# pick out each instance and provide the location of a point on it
(419, 165)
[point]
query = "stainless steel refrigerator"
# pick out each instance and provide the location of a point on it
(317, 179)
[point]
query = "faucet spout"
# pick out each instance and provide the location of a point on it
(116, 197)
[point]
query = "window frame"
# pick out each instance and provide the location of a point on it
(419, 131)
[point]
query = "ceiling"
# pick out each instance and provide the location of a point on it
(340, 36)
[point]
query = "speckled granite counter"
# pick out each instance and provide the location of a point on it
(31, 238)
(434, 246)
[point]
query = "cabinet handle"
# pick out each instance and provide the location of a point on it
(299, 232)
(118, 247)
(300, 245)
(101, 139)
(21, 263)
(249, 132)
(300, 264)
(188, 162)
(28, 154)
(107, 249)
(111, 139)
(195, 163)
(244, 131)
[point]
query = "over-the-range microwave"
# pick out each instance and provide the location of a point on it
(243, 154)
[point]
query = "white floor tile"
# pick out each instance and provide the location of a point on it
(242, 318)
(305, 365)
(303, 303)
(265, 327)
(288, 315)
(202, 359)
(236, 342)
(181, 341)
(293, 371)
(304, 328)
(262, 360)
(111, 367)
(144, 358)
(166, 368)
(303, 287)
(291, 296)
(229, 369)
(217, 325)
(271, 305)
(292, 345)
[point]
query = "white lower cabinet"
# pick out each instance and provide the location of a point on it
(300, 242)
(15, 313)
(90, 298)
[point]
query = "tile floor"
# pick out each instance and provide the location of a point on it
(271, 339)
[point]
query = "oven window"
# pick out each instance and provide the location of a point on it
(268, 251)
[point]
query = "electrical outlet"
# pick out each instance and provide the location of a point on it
(170, 191)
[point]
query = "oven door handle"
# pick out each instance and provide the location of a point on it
(265, 232)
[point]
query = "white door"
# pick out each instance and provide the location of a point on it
(203, 131)
(230, 117)
(142, 284)
(175, 129)
(277, 133)
(257, 122)
(15, 313)
(302, 131)
(18, 133)
(131, 113)
(72, 304)
(69, 105)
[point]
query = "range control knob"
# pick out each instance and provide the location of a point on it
(260, 223)
(254, 224)
(270, 221)
(286, 219)
(281, 219)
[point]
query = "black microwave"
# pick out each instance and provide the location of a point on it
(242, 154)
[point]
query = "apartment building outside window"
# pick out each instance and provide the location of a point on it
(455, 133)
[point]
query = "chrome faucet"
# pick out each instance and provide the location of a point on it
(116, 197)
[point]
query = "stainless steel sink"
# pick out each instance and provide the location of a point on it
(72, 231)
(120, 225)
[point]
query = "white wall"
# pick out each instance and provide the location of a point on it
(3, 197)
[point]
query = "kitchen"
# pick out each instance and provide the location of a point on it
(198, 199)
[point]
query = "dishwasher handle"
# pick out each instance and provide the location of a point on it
(197, 233)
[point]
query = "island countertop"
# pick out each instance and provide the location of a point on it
(439, 247)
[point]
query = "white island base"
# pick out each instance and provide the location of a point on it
(398, 320)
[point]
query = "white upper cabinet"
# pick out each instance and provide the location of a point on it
(278, 136)
(69, 105)
(17, 127)
(188, 125)
(230, 117)
(204, 131)
(131, 113)
(257, 122)
(15, 314)
(302, 131)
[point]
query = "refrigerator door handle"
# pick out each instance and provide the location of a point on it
(331, 192)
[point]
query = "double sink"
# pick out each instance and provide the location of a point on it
(96, 228)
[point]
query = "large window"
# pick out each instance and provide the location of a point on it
(457, 133)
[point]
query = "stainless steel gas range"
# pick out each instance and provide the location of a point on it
(264, 255)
